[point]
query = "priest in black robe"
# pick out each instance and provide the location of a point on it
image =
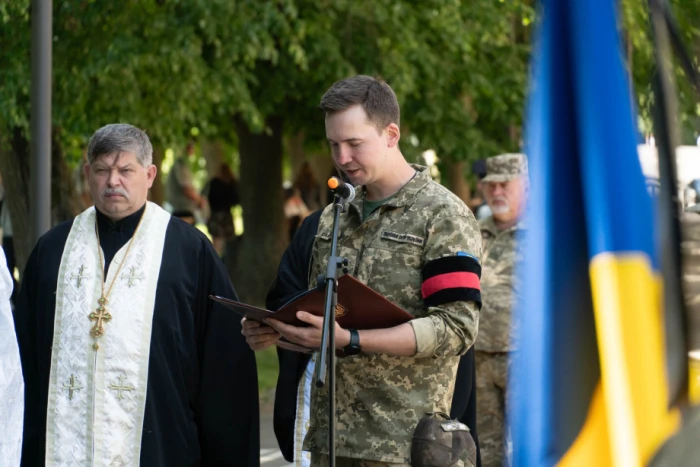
(126, 360)
(292, 278)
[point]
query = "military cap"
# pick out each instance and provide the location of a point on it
(505, 167)
(441, 442)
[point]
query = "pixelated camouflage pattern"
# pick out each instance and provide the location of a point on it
(498, 286)
(491, 397)
(505, 167)
(381, 398)
(439, 441)
(321, 460)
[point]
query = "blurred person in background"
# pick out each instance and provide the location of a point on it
(308, 186)
(82, 189)
(185, 216)
(478, 204)
(295, 210)
(222, 193)
(182, 195)
(505, 188)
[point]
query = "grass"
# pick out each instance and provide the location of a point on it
(268, 368)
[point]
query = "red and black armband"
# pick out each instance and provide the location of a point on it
(452, 279)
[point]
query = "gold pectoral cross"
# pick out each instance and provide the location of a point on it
(100, 316)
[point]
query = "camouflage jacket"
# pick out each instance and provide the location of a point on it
(380, 398)
(498, 286)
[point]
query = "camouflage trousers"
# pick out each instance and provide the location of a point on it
(321, 460)
(491, 380)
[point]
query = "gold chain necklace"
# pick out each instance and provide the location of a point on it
(101, 315)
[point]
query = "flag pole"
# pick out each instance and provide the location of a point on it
(665, 112)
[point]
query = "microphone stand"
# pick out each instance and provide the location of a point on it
(329, 282)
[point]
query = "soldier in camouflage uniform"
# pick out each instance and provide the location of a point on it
(504, 188)
(417, 244)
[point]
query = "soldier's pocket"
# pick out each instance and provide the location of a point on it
(396, 273)
(323, 251)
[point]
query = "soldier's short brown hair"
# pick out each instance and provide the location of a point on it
(374, 95)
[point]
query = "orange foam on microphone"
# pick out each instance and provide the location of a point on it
(333, 183)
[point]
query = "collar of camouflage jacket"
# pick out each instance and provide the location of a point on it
(488, 224)
(404, 197)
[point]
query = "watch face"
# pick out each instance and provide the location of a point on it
(352, 350)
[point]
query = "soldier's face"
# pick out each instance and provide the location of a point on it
(358, 148)
(506, 199)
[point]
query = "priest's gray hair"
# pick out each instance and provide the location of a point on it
(120, 137)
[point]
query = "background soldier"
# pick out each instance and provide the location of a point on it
(505, 187)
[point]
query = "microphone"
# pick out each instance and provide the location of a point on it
(342, 189)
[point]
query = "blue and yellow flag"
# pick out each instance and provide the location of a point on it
(588, 385)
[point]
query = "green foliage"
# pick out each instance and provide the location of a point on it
(635, 21)
(14, 64)
(459, 68)
(268, 369)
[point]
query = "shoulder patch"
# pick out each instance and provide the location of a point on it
(403, 238)
(468, 255)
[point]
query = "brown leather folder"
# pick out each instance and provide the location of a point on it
(359, 307)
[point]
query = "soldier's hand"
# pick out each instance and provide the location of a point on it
(259, 336)
(309, 336)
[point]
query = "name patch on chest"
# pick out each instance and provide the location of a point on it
(403, 238)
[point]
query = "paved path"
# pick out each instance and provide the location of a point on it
(270, 455)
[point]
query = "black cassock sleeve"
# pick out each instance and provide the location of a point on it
(464, 399)
(292, 278)
(227, 409)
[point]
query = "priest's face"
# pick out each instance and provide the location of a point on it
(119, 184)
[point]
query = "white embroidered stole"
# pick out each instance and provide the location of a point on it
(303, 419)
(97, 398)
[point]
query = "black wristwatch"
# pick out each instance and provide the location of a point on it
(353, 348)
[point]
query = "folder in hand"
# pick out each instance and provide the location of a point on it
(359, 307)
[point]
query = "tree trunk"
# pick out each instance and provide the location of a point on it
(65, 202)
(264, 238)
(297, 156)
(322, 163)
(514, 134)
(14, 165)
(456, 181)
(157, 193)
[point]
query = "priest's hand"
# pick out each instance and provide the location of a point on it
(259, 336)
(309, 336)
